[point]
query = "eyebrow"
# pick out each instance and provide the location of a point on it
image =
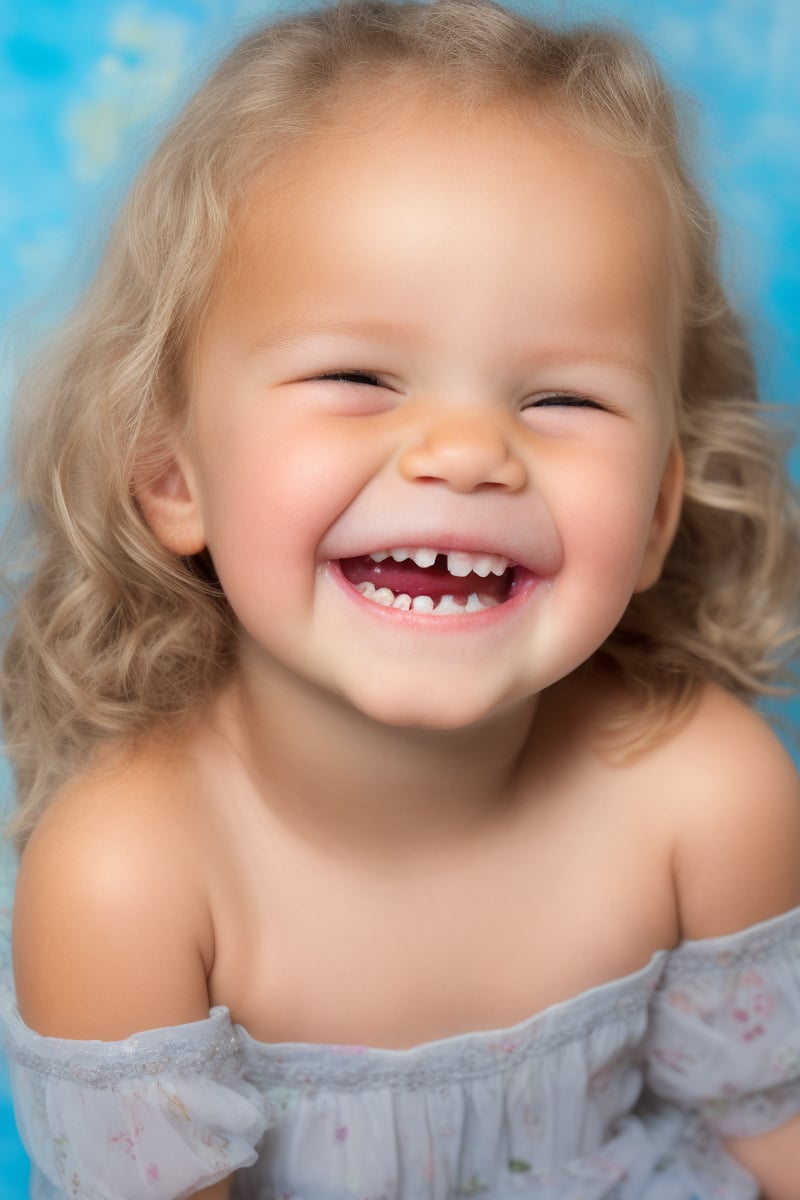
(567, 355)
(285, 335)
(571, 356)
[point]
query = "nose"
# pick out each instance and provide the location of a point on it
(467, 454)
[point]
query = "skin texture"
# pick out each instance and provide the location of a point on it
(472, 314)
(379, 797)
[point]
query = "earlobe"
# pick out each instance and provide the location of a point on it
(665, 520)
(168, 502)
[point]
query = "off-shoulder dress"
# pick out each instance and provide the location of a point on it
(625, 1092)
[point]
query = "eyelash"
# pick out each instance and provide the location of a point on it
(553, 400)
(564, 400)
(364, 377)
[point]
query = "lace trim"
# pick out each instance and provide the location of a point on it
(358, 1069)
(219, 1056)
(737, 949)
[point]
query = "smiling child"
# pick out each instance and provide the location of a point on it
(411, 546)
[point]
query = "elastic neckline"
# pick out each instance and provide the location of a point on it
(463, 1055)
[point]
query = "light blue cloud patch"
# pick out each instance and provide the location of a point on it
(31, 57)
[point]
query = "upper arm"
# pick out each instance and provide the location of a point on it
(774, 1159)
(737, 862)
(112, 937)
(217, 1191)
(110, 928)
(737, 845)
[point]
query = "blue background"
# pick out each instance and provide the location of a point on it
(85, 86)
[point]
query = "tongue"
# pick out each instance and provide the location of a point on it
(436, 581)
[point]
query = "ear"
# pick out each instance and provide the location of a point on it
(665, 520)
(170, 505)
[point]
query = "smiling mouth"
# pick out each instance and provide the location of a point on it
(423, 580)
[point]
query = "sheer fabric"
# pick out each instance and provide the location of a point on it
(622, 1093)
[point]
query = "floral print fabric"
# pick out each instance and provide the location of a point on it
(623, 1093)
(147, 1117)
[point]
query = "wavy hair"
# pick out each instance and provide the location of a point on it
(110, 635)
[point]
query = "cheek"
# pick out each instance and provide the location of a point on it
(269, 496)
(260, 526)
(606, 519)
(603, 544)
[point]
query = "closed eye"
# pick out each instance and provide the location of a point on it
(363, 377)
(564, 400)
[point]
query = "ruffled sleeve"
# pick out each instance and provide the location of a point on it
(154, 1117)
(724, 1035)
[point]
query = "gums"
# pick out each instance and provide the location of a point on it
(406, 578)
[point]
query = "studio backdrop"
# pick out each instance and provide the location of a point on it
(86, 86)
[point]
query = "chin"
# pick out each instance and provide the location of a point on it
(445, 713)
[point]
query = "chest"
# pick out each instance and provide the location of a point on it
(311, 948)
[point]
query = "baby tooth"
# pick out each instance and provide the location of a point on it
(399, 554)
(482, 565)
(459, 563)
(488, 601)
(447, 606)
(384, 596)
(366, 588)
(474, 604)
(424, 557)
(422, 604)
(379, 555)
(402, 601)
(499, 564)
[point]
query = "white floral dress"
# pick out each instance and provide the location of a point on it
(623, 1093)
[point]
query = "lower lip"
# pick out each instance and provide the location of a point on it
(524, 585)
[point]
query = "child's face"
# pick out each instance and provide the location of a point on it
(449, 339)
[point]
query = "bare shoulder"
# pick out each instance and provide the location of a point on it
(112, 932)
(735, 810)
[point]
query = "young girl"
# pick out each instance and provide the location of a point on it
(409, 543)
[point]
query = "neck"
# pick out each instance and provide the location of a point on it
(345, 781)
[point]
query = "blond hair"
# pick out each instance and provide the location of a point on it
(111, 636)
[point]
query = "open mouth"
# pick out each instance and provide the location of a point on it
(422, 580)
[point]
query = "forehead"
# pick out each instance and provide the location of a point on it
(385, 193)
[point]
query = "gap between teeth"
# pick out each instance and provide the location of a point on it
(459, 562)
(447, 606)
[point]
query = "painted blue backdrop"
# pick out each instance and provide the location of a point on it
(85, 85)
